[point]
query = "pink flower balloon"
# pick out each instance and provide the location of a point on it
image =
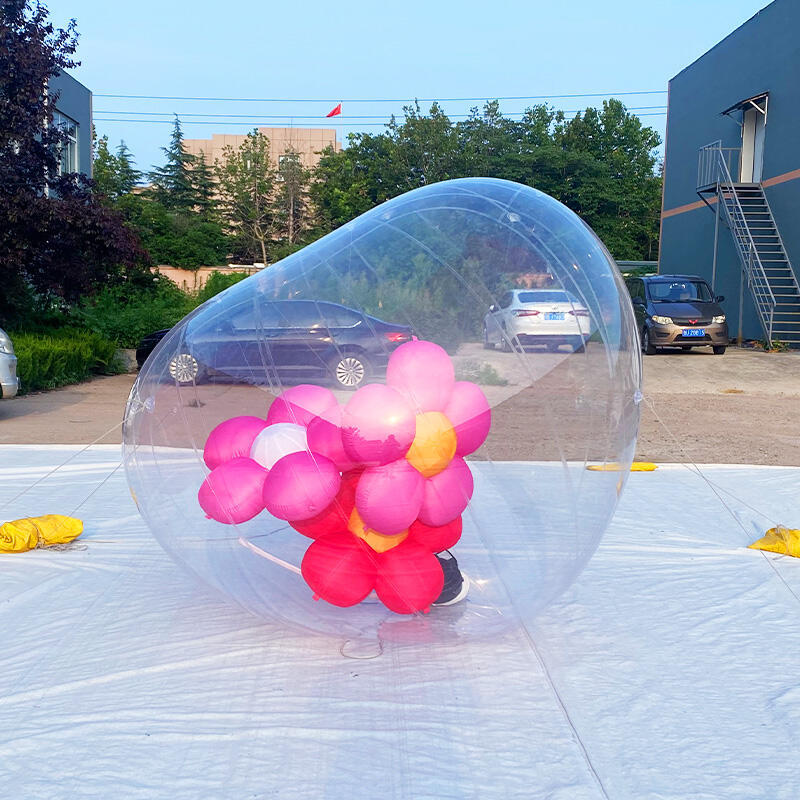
(325, 437)
(232, 493)
(389, 497)
(300, 485)
(231, 439)
(471, 416)
(422, 372)
(447, 494)
(300, 404)
(378, 425)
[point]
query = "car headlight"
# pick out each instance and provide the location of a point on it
(719, 318)
(5, 344)
(662, 320)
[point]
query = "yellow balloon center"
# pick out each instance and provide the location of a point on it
(379, 542)
(434, 445)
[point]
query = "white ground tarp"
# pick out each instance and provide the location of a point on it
(669, 670)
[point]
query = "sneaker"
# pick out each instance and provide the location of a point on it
(456, 584)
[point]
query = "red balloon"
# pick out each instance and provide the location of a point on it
(339, 569)
(436, 539)
(409, 578)
(335, 518)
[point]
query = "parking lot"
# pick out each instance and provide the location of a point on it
(741, 407)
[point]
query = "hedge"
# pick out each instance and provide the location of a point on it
(68, 356)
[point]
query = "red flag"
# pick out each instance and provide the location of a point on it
(335, 112)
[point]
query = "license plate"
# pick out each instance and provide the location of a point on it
(694, 332)
(554, 316)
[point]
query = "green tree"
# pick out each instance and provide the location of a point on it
(246, 181)
(291, 203)
(172, 184)
(114, 175)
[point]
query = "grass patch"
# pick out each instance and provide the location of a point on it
(479, 372)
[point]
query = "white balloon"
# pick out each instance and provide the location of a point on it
(277, 441)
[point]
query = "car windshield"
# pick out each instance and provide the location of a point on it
(679, 291)
(543, 297)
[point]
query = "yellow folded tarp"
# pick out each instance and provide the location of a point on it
(31, 532)
(637, 466)
(779, 540)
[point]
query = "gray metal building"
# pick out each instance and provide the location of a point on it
(731, 202)
(73, 113)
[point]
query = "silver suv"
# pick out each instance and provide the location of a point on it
(9, 382)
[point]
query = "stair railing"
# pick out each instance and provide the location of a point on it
(714, 170)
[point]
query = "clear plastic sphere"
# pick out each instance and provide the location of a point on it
(455, 359)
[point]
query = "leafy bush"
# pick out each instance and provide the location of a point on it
(48, 361)
(219, 282)
(124, 315)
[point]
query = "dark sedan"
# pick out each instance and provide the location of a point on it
(290, 339)
(677, 311)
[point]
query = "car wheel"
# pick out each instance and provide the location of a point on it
(184, 369)
(648, 348)
(505, 342)
(719, 349)
(487, 345)
(350, 370)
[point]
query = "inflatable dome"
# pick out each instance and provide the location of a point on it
(387, 433)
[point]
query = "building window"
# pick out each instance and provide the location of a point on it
(69, 148)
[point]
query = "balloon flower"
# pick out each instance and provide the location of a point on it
(379, 484)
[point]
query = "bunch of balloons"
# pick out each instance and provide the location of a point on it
(379, 484)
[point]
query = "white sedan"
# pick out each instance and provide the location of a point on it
(9, 382)
(547, 317)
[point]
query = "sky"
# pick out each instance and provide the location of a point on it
(297, 60)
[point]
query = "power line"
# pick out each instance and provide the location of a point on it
(288, 120)
(184, 115)
(373, 100)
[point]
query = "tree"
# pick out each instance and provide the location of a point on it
(56, 241)
(601, 164)
(246, 180)
(291, 202)
(173, 185)
(114, 175)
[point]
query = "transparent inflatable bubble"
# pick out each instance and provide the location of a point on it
(436, 375)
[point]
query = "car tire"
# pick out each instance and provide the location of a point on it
(648, 348)
(505, 343)
(185, 369)
(349, 371)
(719, 349)
(487, 345)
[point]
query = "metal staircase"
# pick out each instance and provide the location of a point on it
(764, 262)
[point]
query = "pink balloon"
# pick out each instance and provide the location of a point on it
(325, 437)
(422, 372)
(447, 494)
(471, 416)
(300, 485)
(231, 439)
(232, 493)
(389, 498)
(300, 404)
(378, 425)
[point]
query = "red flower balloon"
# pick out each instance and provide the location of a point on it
(436, 539)
(409, 578)
(340, 569)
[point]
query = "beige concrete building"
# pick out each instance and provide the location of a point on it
(307, 142)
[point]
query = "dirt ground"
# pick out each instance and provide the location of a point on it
(742, 407)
